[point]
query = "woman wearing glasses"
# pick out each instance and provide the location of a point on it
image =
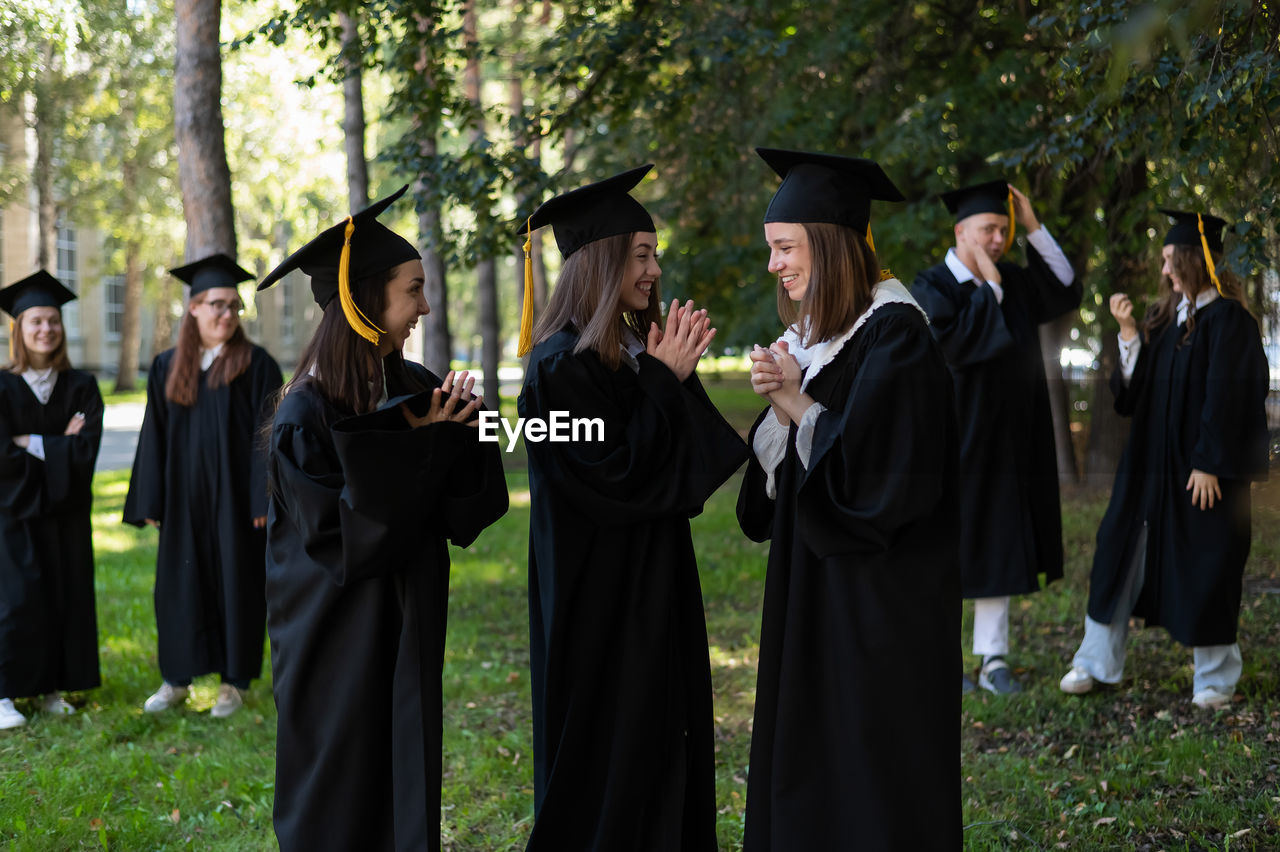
(199, 477)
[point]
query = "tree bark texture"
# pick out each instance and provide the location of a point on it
(437, 343)
(486, 269)
(46, 206)
(203, 173)
(353, 125)
(131, 310)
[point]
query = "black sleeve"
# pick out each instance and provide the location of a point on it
(147, 482)
(364, 497)
(266, 381)
(69, 459)
(880, 464)
(755, 507)
(1049, 297)
(969, 327)
(665, 448)
(1232, 443)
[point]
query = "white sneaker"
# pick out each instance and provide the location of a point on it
(9, 715)
(54, 703)
(1077, 681)
(165, 697)
(229, 701)
(1211, 699)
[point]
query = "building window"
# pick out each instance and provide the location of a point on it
(68, 272)
(113, 304)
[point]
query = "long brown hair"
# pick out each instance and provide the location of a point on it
(587, 294)
(843, 270)
(342, 365)
(20, 360)
(184, 370)
(1193, 273)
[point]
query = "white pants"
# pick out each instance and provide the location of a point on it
(991, 626)
(1102, 653)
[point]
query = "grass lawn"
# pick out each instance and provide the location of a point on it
(1134, 767)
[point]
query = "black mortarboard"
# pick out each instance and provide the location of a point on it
(826, 188)
(216, 270)
(40, 290)
(593, 212)
(989, 197)
(1186, 229)
(374, 248)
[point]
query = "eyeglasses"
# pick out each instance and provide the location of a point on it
(220, 307)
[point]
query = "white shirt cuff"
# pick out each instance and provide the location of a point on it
(998, 290)
(1044, 243)
(1129, 356)
(804, 432)
(35, 446)
(770, 446)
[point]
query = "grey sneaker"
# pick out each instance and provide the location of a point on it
(997, 677)
(165, 697)
(229, 701)
(9, 715)
(54, 703)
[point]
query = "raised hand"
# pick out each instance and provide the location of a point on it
(445, 400)
(1122, 310)
(1022, 209)
(687, 335)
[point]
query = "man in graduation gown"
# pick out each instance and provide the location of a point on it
(622, 717)
(1195, 385)
(199, 474)
(985, 313)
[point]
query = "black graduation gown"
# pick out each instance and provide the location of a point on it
(855, 733)
(362, 510)
(622, 718)
(201, 472)
(1010, 517)
(48, 624)
(1195, 406)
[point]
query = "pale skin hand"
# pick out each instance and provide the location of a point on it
(1204, 489)
(681, 344)
(1122, 310)
(1022, 209)
(766, 377)
(444, 403)
(986, 269)
(789, 398)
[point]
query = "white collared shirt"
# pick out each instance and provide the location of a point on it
(208, 356)
(1129, 349)
(1042, 241)
(41, 383)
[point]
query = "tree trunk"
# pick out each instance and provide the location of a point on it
(437, 344)
(203, 173)
(486, 269)
(162, 329)
(353, 114)
(130, 319)
(1053, 335)
(131, 310)
(526, 204)
(43, 114)
(1108, 431)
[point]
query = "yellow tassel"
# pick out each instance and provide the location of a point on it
(359, 323)
(526, 310)
(1208, 258)
(1013, 224)
(885, 274)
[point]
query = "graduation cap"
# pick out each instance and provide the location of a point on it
(358, 247)
(826, 188)
(578, 217)
(1197, 230)
(994, 196)
(216, 270)
(40, 290)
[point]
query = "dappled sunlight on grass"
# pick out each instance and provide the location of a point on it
(113, 540)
